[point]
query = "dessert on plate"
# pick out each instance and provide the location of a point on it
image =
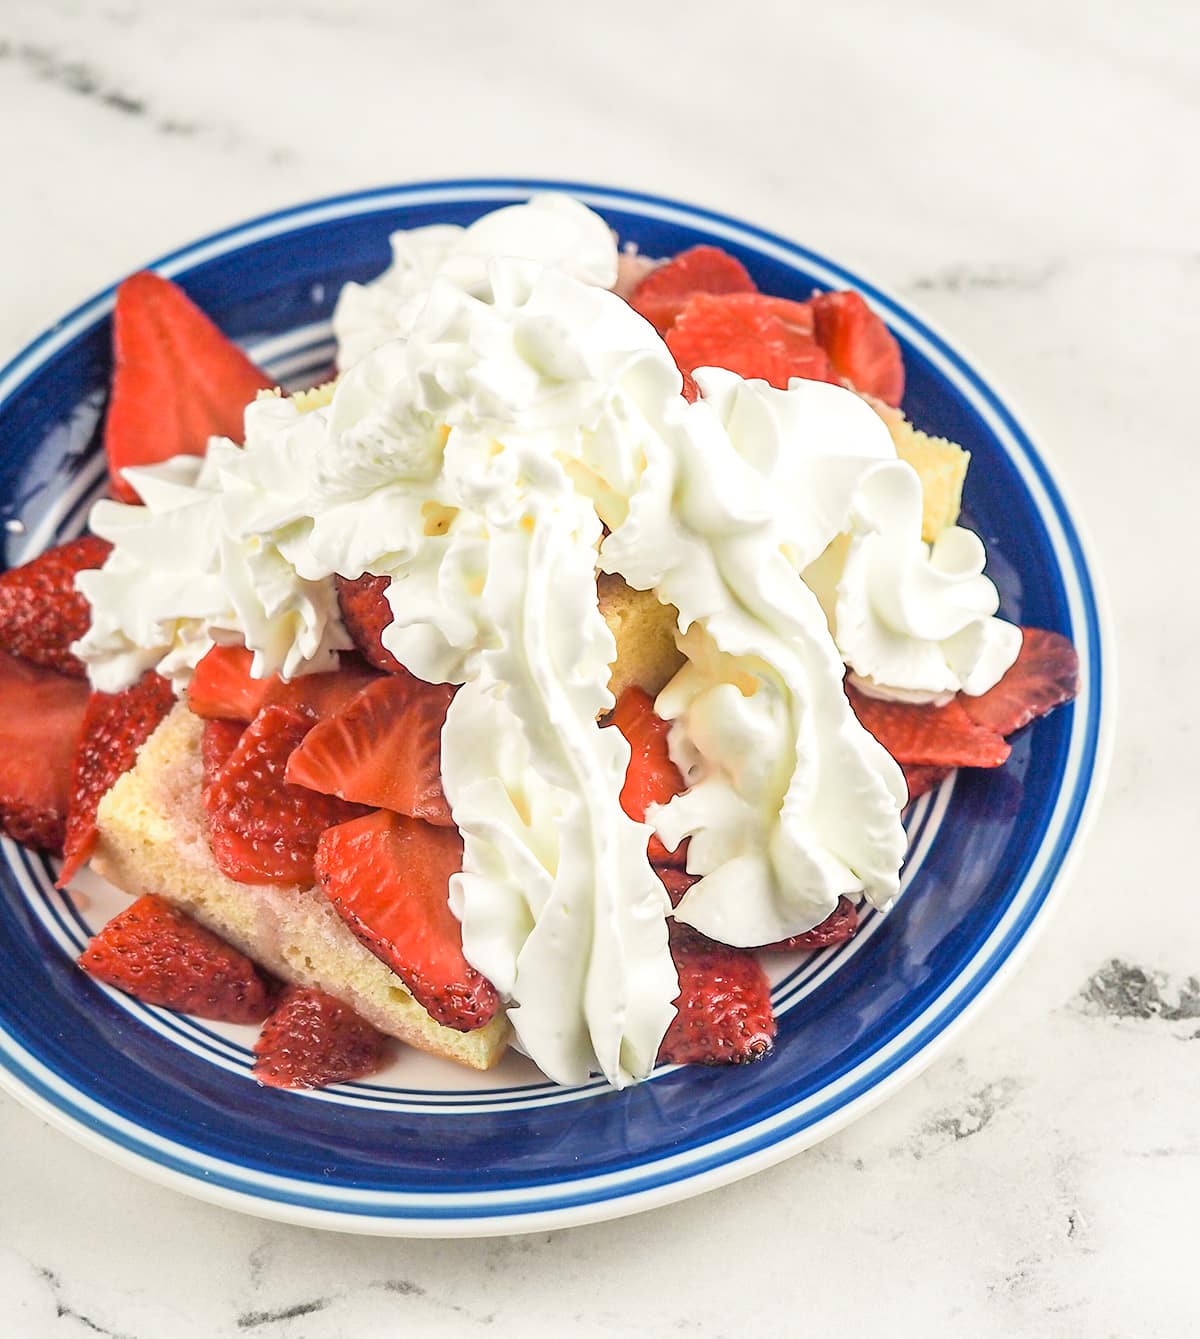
(581, 641)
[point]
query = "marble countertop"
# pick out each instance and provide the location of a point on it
(1018, 171)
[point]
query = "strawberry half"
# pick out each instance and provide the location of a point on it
(263, 830)
(41, 719)
(664, 292)
(723, 1010)
(652, 778)
(384, 748)
(933, 736)
(115, 727)
(217, 742)
(366, 612)
(861, 348)
(312, 1039)
(1044, 675)
(841, 924)
(177, 380)
(750, 334)
(41, 612)
(155, 953)
(921, 778)
(388, 878)
(222, 687)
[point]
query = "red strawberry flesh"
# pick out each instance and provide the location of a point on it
(723, 1011)
(217, 742)
(388, 878)
(312, 1039)
(651, 778)
(933, 736)
(115, 727)
(262, 829)
(922, 778)
(384, 748)
(41, 720)
(664, 292)
(156, 953)
(366, 612)
(222, 687)
(1044, 675)
(177, 379)
(841, 924)
(860, 346)
(750, 334)
(41, 612)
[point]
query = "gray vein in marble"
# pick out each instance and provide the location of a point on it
(1121, 990)
(997, 278)
(74, 76)
(66, 1312)
(963, 1122)
(252, 1320)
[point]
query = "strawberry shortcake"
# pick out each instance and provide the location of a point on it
(579, 643)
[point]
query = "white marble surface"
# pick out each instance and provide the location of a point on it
(1025, 173)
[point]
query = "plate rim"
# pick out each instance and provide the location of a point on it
(991, 966)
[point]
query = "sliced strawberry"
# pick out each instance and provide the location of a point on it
(1044, 675)
(41, 718)
(388, 877)
(115, 727)
(155, 953)
(312, 1039)
(222, 687)
(676, 881)
(217, 743)
(861, 348)
(839, 925)
(664, 292)
(366, 612)
(691, 392)
(922, 778)
(177, 379)
(750, 334)
(263, 830)
(41, 612)
(652, 778)
(384, 748)
(934, 736)
(723, 1010)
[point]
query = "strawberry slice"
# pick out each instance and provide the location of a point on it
(750, 334)
(222, 687)
(388, 878)
(41, 612)
(664, 292)
(934, 736)
(217, 743)
(384, 748)
(922, 778)
(841, 924)
(158, 955)
(177, 380)
(652, 778)
(1044, 675)
(41, 719)
(262, 829)
(366, 612)
(723, 1010)
(312, 1039)
(861, 348)
(115, 727)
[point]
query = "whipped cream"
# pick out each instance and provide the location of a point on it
(552, 229)
(513, 413)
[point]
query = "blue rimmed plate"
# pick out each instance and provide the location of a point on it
(424, 1149)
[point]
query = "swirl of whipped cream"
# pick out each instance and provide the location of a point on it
(913, 622)
(553, 229)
